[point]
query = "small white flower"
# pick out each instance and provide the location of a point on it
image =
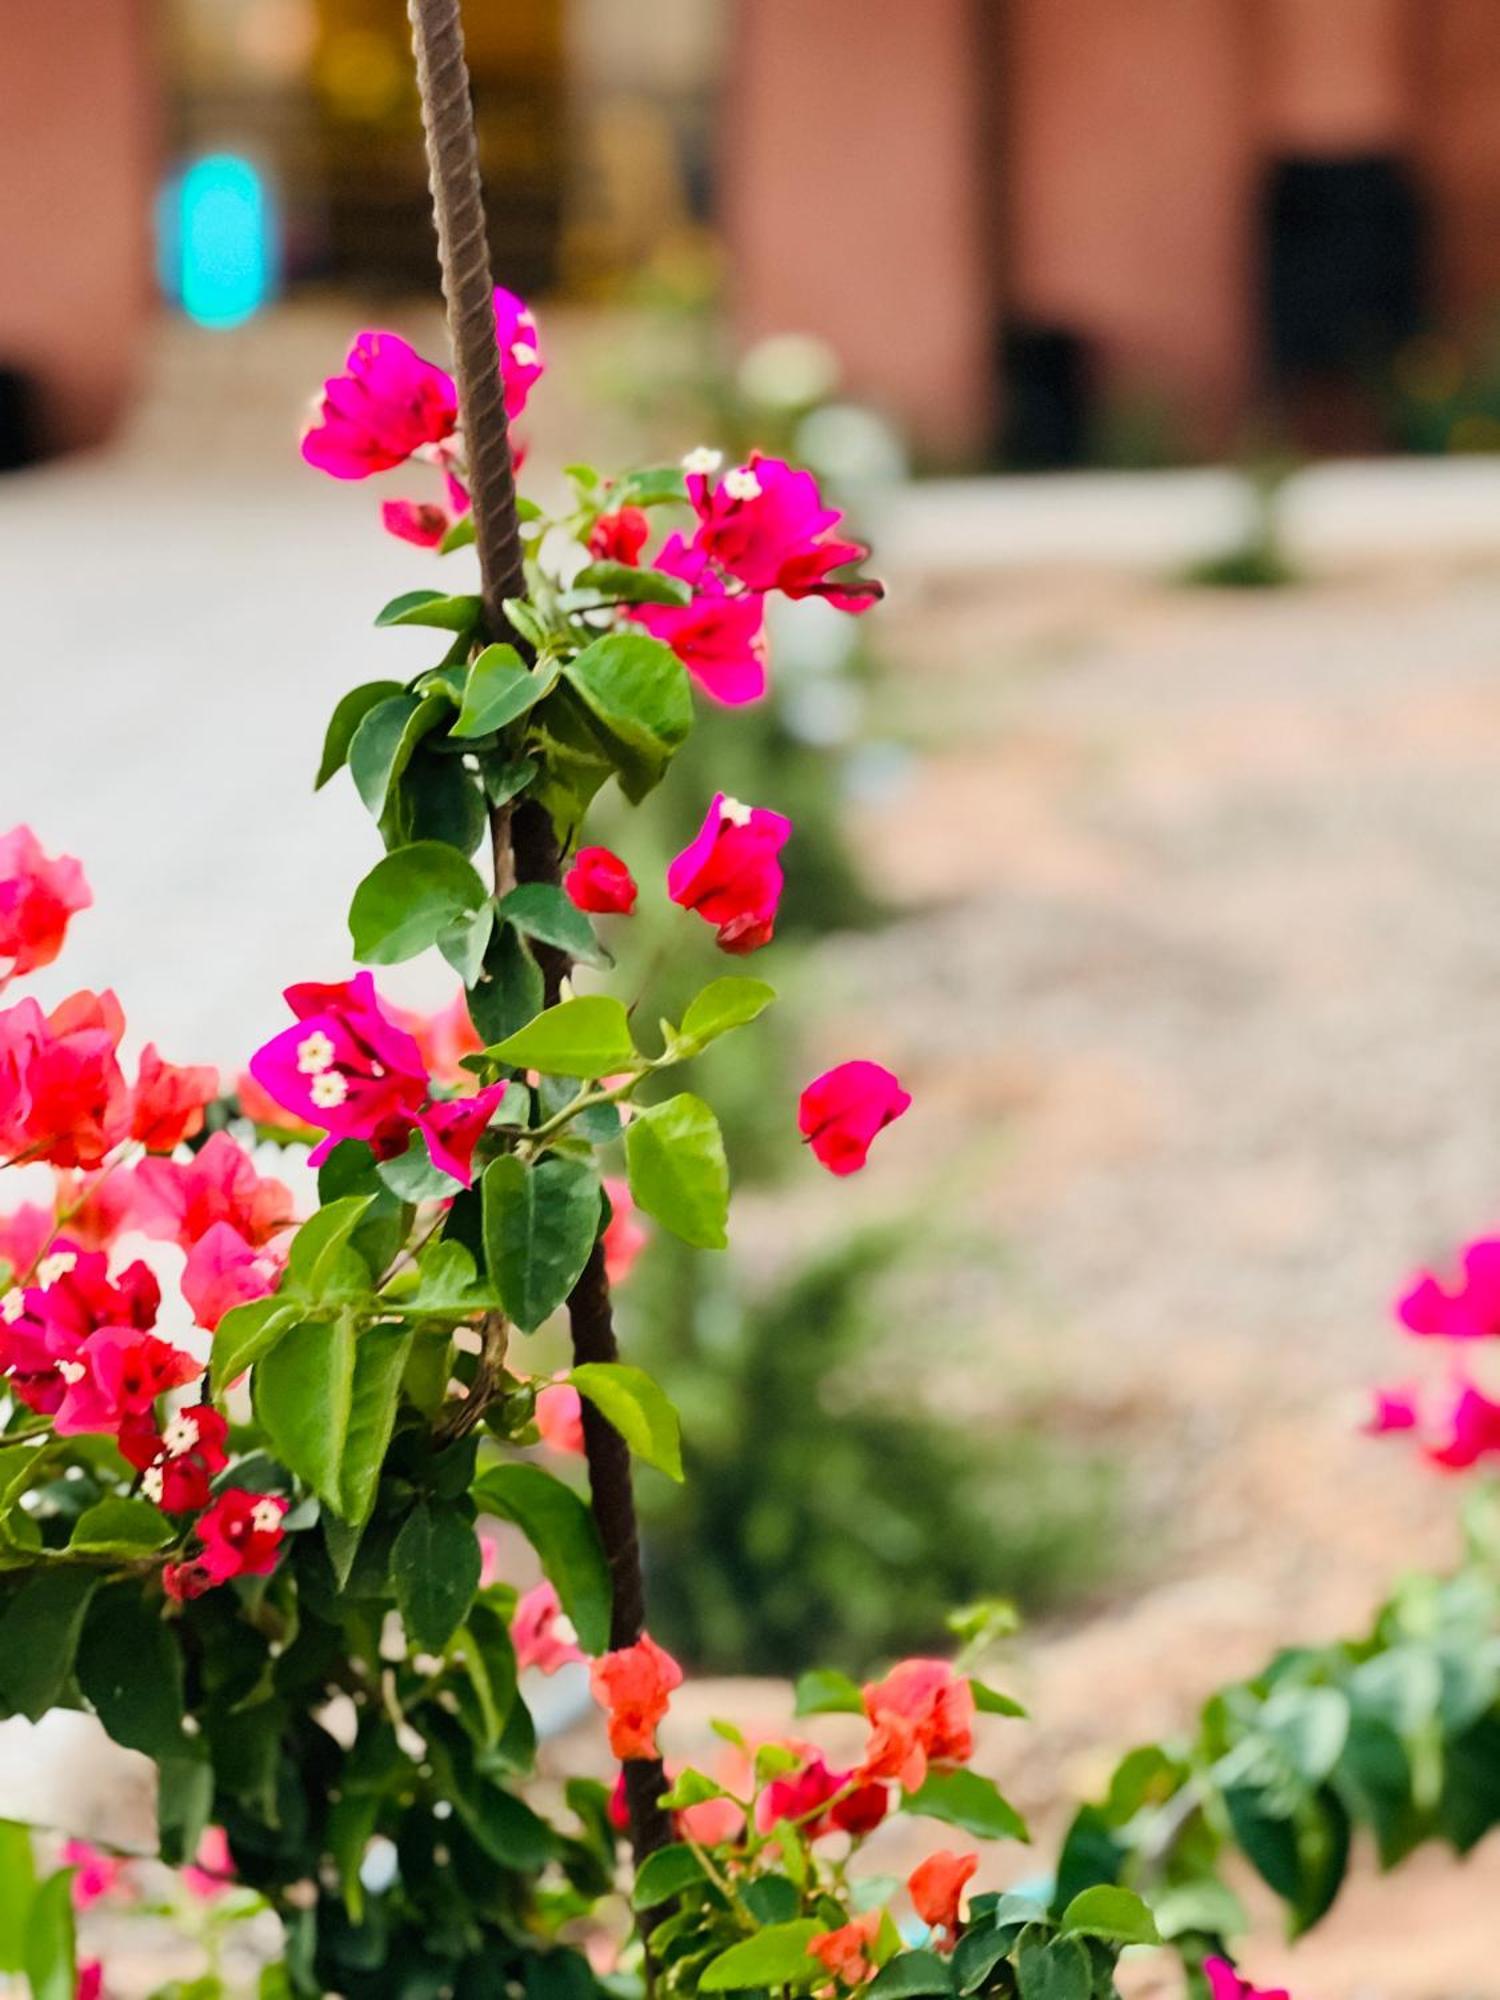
(265, 1517)
(733, 812)
(54, 1267)
(180, 1435)
(71, 1371)
(329, 1088)
(524, 354)
(742, 484)
(703, 460)
(12, 1305)
(152, 1484)
(315, 1053)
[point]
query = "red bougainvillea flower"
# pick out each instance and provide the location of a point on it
(63, 1095)
(177, 1464)
(730, 874)
(90, 1984)
(71, 1296)
(94, 1208)
(845, 1953)
(600, 883)
(224, 1270)
(179, 1201)
(765, 523)
(935, 1886)
(921, 1713)
(421, 522)
(1224, 1983)
(1470, 1431)
(800, 1794)
(620, 536)
(559, 1417)
(625, 1235)
(262, 1110)
(169, 1101)
(633, 1686)
(1466, 1310)
(241, 1534)
(37, 897)
(95, 1873)
(542, 1633)
(385, 406)
(719, 637)
(211, 1870)
(841, 1113)
(118, 1374)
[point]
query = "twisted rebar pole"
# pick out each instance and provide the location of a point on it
(523, 844)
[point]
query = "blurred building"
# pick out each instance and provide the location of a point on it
(1036, 231)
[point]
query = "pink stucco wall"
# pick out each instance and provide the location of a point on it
(76, 115)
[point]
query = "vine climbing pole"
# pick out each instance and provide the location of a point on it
(523, 844)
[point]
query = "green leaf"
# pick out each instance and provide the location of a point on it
(345, 720)
(1200, 1906)
(245, 1334)
(561, 1529)
(1059, 1969)
(502, 781)
(499, 688)
(776, 1956)
(965, 1799)
(653, 486)
(448, 1285)
(525, 623)
(989, 1701)
(184, 1803)
(678, 1172)
(51, 1952)
(1116, 1914)
(130, 1671)
(121, 1527)
(627, 584)
(637, 691)
(691, 1788)
(459, 536)
(409, 899)
(822, 1691)
(380, 1357)
(465, 943)
(638, 1409)
(539, 1227)
(435, 1565)
(665, 1873)
(911, 1973)
(39, 1637)
(315, 1261)
(17, 1887)
(543, 911)
(304, 1390)
(431, 607)
(723, 1004)
(510, 988)
(385, 739)
(981, 1949)
(588, 1037)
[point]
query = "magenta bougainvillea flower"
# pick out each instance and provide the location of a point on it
(211, 1871)
(384, 408)
(1470, 1430)
(169, 1101)
(720, 636)
(633, 1685)
(516, 336)
(96, 1874)
(1468, 1309)
(541, 1633)
(730, 875)
(452, 1128)
(600, 883)
(1392, 1410)
(1224, 1983)
(38, 896)
(765, 523)
(63, 1095)
(620, 536)
(841, 1113)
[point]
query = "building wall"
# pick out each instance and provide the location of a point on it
(1458, 147)
(77, 117)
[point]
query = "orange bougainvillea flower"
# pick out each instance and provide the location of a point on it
(935, 1886)
(846, 1952)
(633, 1685)
(921, 1713)
(169, 1101)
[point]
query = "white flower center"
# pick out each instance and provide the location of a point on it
(12, 1305)
(734, 812)
(54, 1267)
(524, 354)
(180, 1435)
(328, 1089)
(71, 1371)
(703, 460)
(315, 1053)
(742, 484)
(152, 1483)
(265, 1517)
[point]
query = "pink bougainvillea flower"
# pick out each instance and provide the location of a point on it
(421, 522)
(177, 1464)
(1467, 1310)
(620, 536)
(223, 1270)
(521, 364)
(180, 1201)
(922, 1713)
(542, 1633)
(935, 1886)
(119, 1374)
(730, 875)
(24, 1235)
(90, 1985)
(845, 1953)
(386, 406)
(625, 1235)
(452, 1130)
(719, 636)
(633, 1685)
(94, 1208)
(63, 1095)
(600, 883)
(559, 1417)
(169, 1101)
(1224, 1983)
(70, 1297)
(211, 1870)
(241, 1535)
(37, 898)
(1391, 1410)
(263, 1111)
(95, 1873)
(765, 523)
(345, 1067)
(1471, 1431)
(841, 1112)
